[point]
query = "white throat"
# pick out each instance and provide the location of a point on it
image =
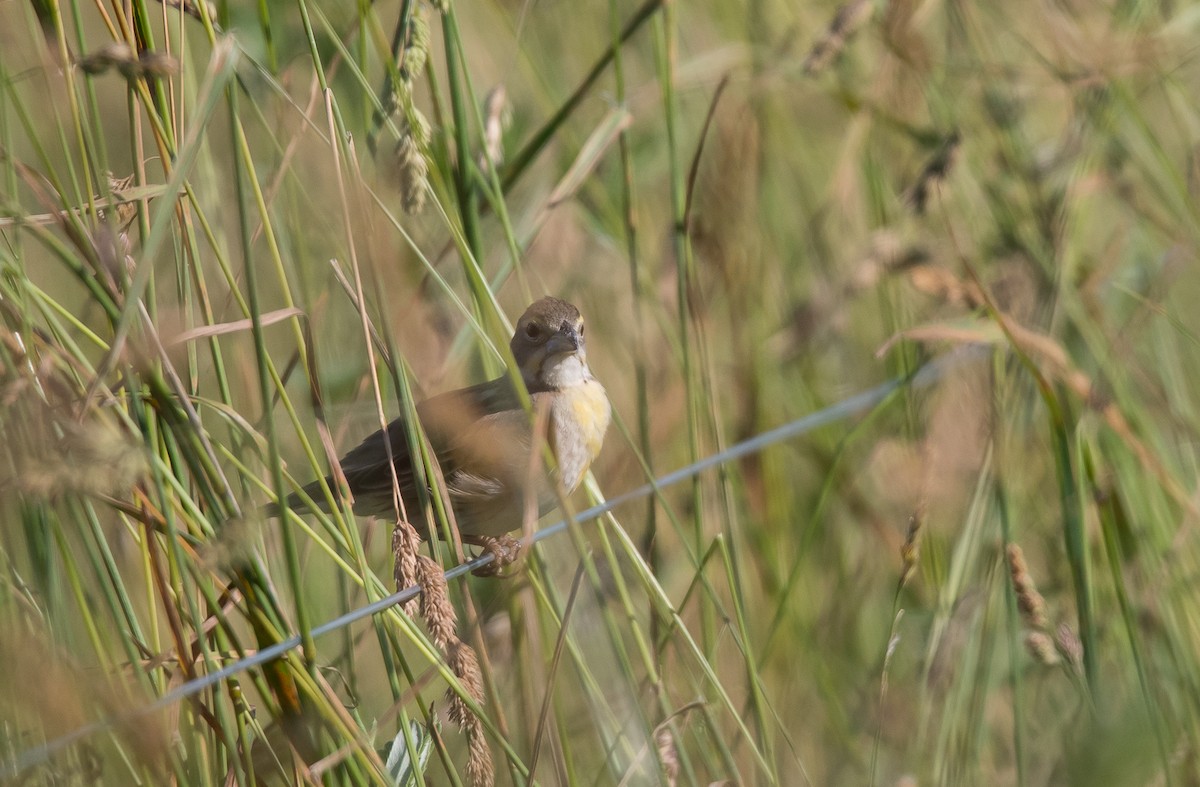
(564, 371)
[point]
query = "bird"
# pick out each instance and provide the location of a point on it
(483, 439)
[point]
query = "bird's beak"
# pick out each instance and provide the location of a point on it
(565, 341)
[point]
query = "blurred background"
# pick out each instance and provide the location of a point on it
(235, 238)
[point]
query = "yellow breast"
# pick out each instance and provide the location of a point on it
(581, 415)
(589, 403)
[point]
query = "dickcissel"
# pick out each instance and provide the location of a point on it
(483, 438)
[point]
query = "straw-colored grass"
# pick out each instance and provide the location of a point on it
(236, 238)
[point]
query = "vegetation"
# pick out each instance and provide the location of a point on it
(235, 238)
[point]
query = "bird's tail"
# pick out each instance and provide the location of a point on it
(299, 502)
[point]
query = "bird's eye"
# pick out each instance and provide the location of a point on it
(533, 331)
(581, 327)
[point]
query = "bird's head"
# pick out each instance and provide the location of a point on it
(548, 345)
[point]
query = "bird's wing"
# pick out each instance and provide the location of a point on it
(442, 416)
(491, 455)
(366, 465)
(469, 428)
(365, 468)
(447, 419)
(462, 425)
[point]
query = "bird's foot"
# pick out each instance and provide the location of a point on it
(504, 551)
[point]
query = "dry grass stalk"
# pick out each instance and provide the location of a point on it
(668, 755)
(910, 552)
(407, 163)
(42, 682)
(192, 8)
(440, 619)
(846, 22)
(1030, 601)
(1041, 647)
(497, 115)
(1069, 644)
(51, 449)
(405, 546)
(465, 664)
(436, 608)
(1038, 642)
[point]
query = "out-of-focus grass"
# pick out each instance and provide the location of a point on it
(990, 582)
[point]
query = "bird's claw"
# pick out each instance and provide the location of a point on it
(505, 550)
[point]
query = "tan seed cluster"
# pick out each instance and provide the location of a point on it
(910, 552)
(1044, 647)
(465, 665)
(1030, 601)
(407, 163)
(668, 755)
(440, 619)
(405, 549)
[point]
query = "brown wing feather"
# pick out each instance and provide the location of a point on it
(447, 419)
